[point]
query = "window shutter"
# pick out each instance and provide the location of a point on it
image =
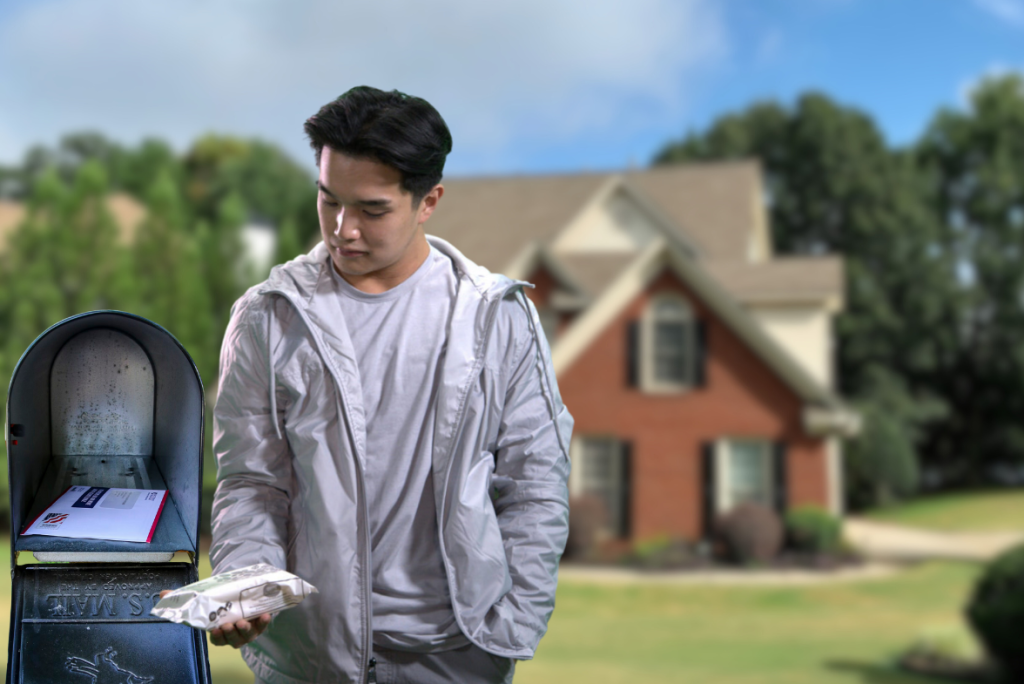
(708, 488)
(780, 464)
(625, 522)
(700, 353)
(633, 354)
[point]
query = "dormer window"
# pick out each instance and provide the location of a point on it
(669, 341)
(666, 347)
(549, 322)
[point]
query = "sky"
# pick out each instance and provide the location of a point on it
(526, 87)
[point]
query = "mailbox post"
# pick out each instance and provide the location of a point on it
(105, 399)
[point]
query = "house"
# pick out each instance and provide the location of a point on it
(125, 210)
(697, 364)
(258, 236)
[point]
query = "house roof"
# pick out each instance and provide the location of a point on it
(715, 204)
(783, 279)
(493, 219)
(595, 272)
(638, 274)
(11, 215)
(127, 213)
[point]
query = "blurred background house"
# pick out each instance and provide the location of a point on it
(698, 364)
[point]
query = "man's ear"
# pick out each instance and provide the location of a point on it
(429, 203)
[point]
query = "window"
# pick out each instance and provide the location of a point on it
(597, 469)
(669, 345)
(745, 473)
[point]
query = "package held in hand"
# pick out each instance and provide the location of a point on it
(230, 596)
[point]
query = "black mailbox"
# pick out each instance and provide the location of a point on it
(106, 399)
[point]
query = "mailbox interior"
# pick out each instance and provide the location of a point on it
(93, 620)
(106, 399)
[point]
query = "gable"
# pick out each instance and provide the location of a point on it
(613, 223)
(636, 277)
(719, 206)
(714, 208)
(493, 220)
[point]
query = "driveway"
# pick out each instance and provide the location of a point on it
(722, 576)
(895, 543)
(887, 549)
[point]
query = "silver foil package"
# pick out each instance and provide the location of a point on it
(231, 596)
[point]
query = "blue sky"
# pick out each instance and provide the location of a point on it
(530, 86)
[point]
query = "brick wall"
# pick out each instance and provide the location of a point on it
(742, 397)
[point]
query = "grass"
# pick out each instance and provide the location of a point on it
(847, 633)
(991, 510)
(831, 634)
(824, 634)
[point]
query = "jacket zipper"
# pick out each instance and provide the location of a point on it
(451, 452)
(361, 490)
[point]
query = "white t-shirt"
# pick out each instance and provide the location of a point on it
(399, 338)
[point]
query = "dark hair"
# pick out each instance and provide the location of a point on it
(396, 129)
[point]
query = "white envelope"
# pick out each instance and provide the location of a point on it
(102, 513)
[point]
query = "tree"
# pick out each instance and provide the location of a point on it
(288, 245)
(834, 186)
(171, 284)
(221, 244)
(975, 165)
(882, 463)
(62, 260)
(136, 170)
(270, 185)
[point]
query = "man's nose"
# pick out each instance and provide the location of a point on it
(346, 230)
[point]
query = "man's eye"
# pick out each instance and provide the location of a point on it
(328, 202)
(376, 215)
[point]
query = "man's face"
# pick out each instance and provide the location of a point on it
(367, 220)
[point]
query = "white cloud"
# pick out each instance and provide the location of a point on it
(1009, 11)
(769, 46)
(500, 73)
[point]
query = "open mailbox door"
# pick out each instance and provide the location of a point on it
(104, 399)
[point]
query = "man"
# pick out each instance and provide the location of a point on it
(388, 427)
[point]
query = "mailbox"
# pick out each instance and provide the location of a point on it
(106, 399)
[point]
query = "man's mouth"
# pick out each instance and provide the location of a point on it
(349, 253)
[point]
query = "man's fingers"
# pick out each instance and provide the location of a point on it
(217, 637)
(259, 625)
(239, 633)
(245, 631)
(231, 635)
(165, 592)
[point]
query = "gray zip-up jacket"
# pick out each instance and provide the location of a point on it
(290, 442)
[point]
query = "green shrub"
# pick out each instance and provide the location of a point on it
(996, 610)
(811, 528)
(659, 552)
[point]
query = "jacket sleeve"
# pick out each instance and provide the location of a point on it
(254, 471)
(530, 483)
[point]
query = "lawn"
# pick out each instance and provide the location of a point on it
(838, 634)
(972, 511)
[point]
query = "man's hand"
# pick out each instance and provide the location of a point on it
(238, 634)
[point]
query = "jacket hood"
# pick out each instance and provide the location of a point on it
(301, 276)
